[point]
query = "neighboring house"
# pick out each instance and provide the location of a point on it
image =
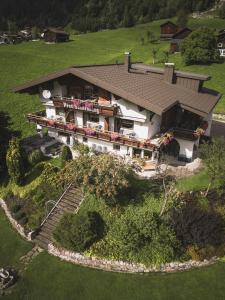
(129, 109)
(178, 38)
(25, 34)
(54, 35)
(221, 42)
(10, 39)
(167, 30)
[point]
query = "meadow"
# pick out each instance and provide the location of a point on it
(27, 61)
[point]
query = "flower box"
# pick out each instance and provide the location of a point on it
(80, 130)
(60, 125)
(71, 127)
(51, 123)
(115, 137)
(104, 136)
(90, 131)
(131, 142)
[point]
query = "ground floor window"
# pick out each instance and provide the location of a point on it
(85, 139)
(137, 152)
(116, 147)
(147, 154)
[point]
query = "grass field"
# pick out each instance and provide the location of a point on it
(26, 61)
(12, 247)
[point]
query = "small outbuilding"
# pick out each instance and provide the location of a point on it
(168, 29)
(178, 38)
(55, 35)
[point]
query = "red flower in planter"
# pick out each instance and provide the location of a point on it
(115, 136)
(90, 131)
(76, 102)
(71, 127)
(51, 122)
(89, 105)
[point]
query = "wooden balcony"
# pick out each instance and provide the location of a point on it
(71, 128)
(86, 105)
(185, 134)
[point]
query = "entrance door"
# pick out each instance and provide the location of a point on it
(70, 116)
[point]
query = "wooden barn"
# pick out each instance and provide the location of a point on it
(168, 29)
(221, 42)
(55, 35)
(178, 38)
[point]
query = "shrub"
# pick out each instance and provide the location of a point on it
(66, 155)
(35, 157)
(14, 161)
(79, 232)
(23, 221)
(19, 215)
(200, 47)
(81, 149)
(196, 226)
(15, 208)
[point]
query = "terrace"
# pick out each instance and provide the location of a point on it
(40, 118)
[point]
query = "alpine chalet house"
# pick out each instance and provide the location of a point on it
(178, 38)
(167, 30)
(129, 109)
(55, 35)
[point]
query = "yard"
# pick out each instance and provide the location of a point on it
(49, 278)
(27, 61)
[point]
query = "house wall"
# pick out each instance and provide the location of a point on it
(186, 148)
(209, 120)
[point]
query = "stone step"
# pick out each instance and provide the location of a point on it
(55, 217)
(45, 235)
(65, 205)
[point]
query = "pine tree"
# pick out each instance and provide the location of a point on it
(14, 161)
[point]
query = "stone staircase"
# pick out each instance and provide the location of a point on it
(68, 202)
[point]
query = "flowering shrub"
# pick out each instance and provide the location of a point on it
(199, 131)
(166, 138)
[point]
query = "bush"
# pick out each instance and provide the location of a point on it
(79, 232)
(35, 157)
(139, 235)
(200, 47)
(19, 215)
(14, 161)
(66, 155)
(23, 221)
(15, 208)
(196, 226)
(200, 253)
(81, 149)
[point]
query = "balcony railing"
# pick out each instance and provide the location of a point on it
(86, 105)
(114, 137)
(182, 133)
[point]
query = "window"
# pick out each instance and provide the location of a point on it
(116, 147)
(60, 112)
(85, 139)
(129, 124)
(88, 92)
(90, 118)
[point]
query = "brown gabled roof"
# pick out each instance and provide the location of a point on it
(56, 30)
(168, 22)
(144, 88)
(182, 30)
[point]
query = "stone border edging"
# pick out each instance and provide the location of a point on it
(13, 222)
(121, 266)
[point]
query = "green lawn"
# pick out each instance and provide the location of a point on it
(199, 181)
(27, 61)
(12, 246)
(49, 278)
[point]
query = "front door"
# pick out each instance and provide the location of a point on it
(106, 124)
(70, 116)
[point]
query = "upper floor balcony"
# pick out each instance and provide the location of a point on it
(71, 128)
(103, 108)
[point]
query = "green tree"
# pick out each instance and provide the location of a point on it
(128, 20)
(66, 155)
(14, 161)
(200, 47)
(213, 155)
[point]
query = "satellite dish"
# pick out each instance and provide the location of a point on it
(46, 94)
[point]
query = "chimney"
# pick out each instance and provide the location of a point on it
(169, 72)
(127, 61)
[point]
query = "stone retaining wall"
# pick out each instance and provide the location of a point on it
(121, 266)
(14, 223)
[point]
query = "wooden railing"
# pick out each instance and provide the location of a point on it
(110, 136)
(184, 133)
(86, 105)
